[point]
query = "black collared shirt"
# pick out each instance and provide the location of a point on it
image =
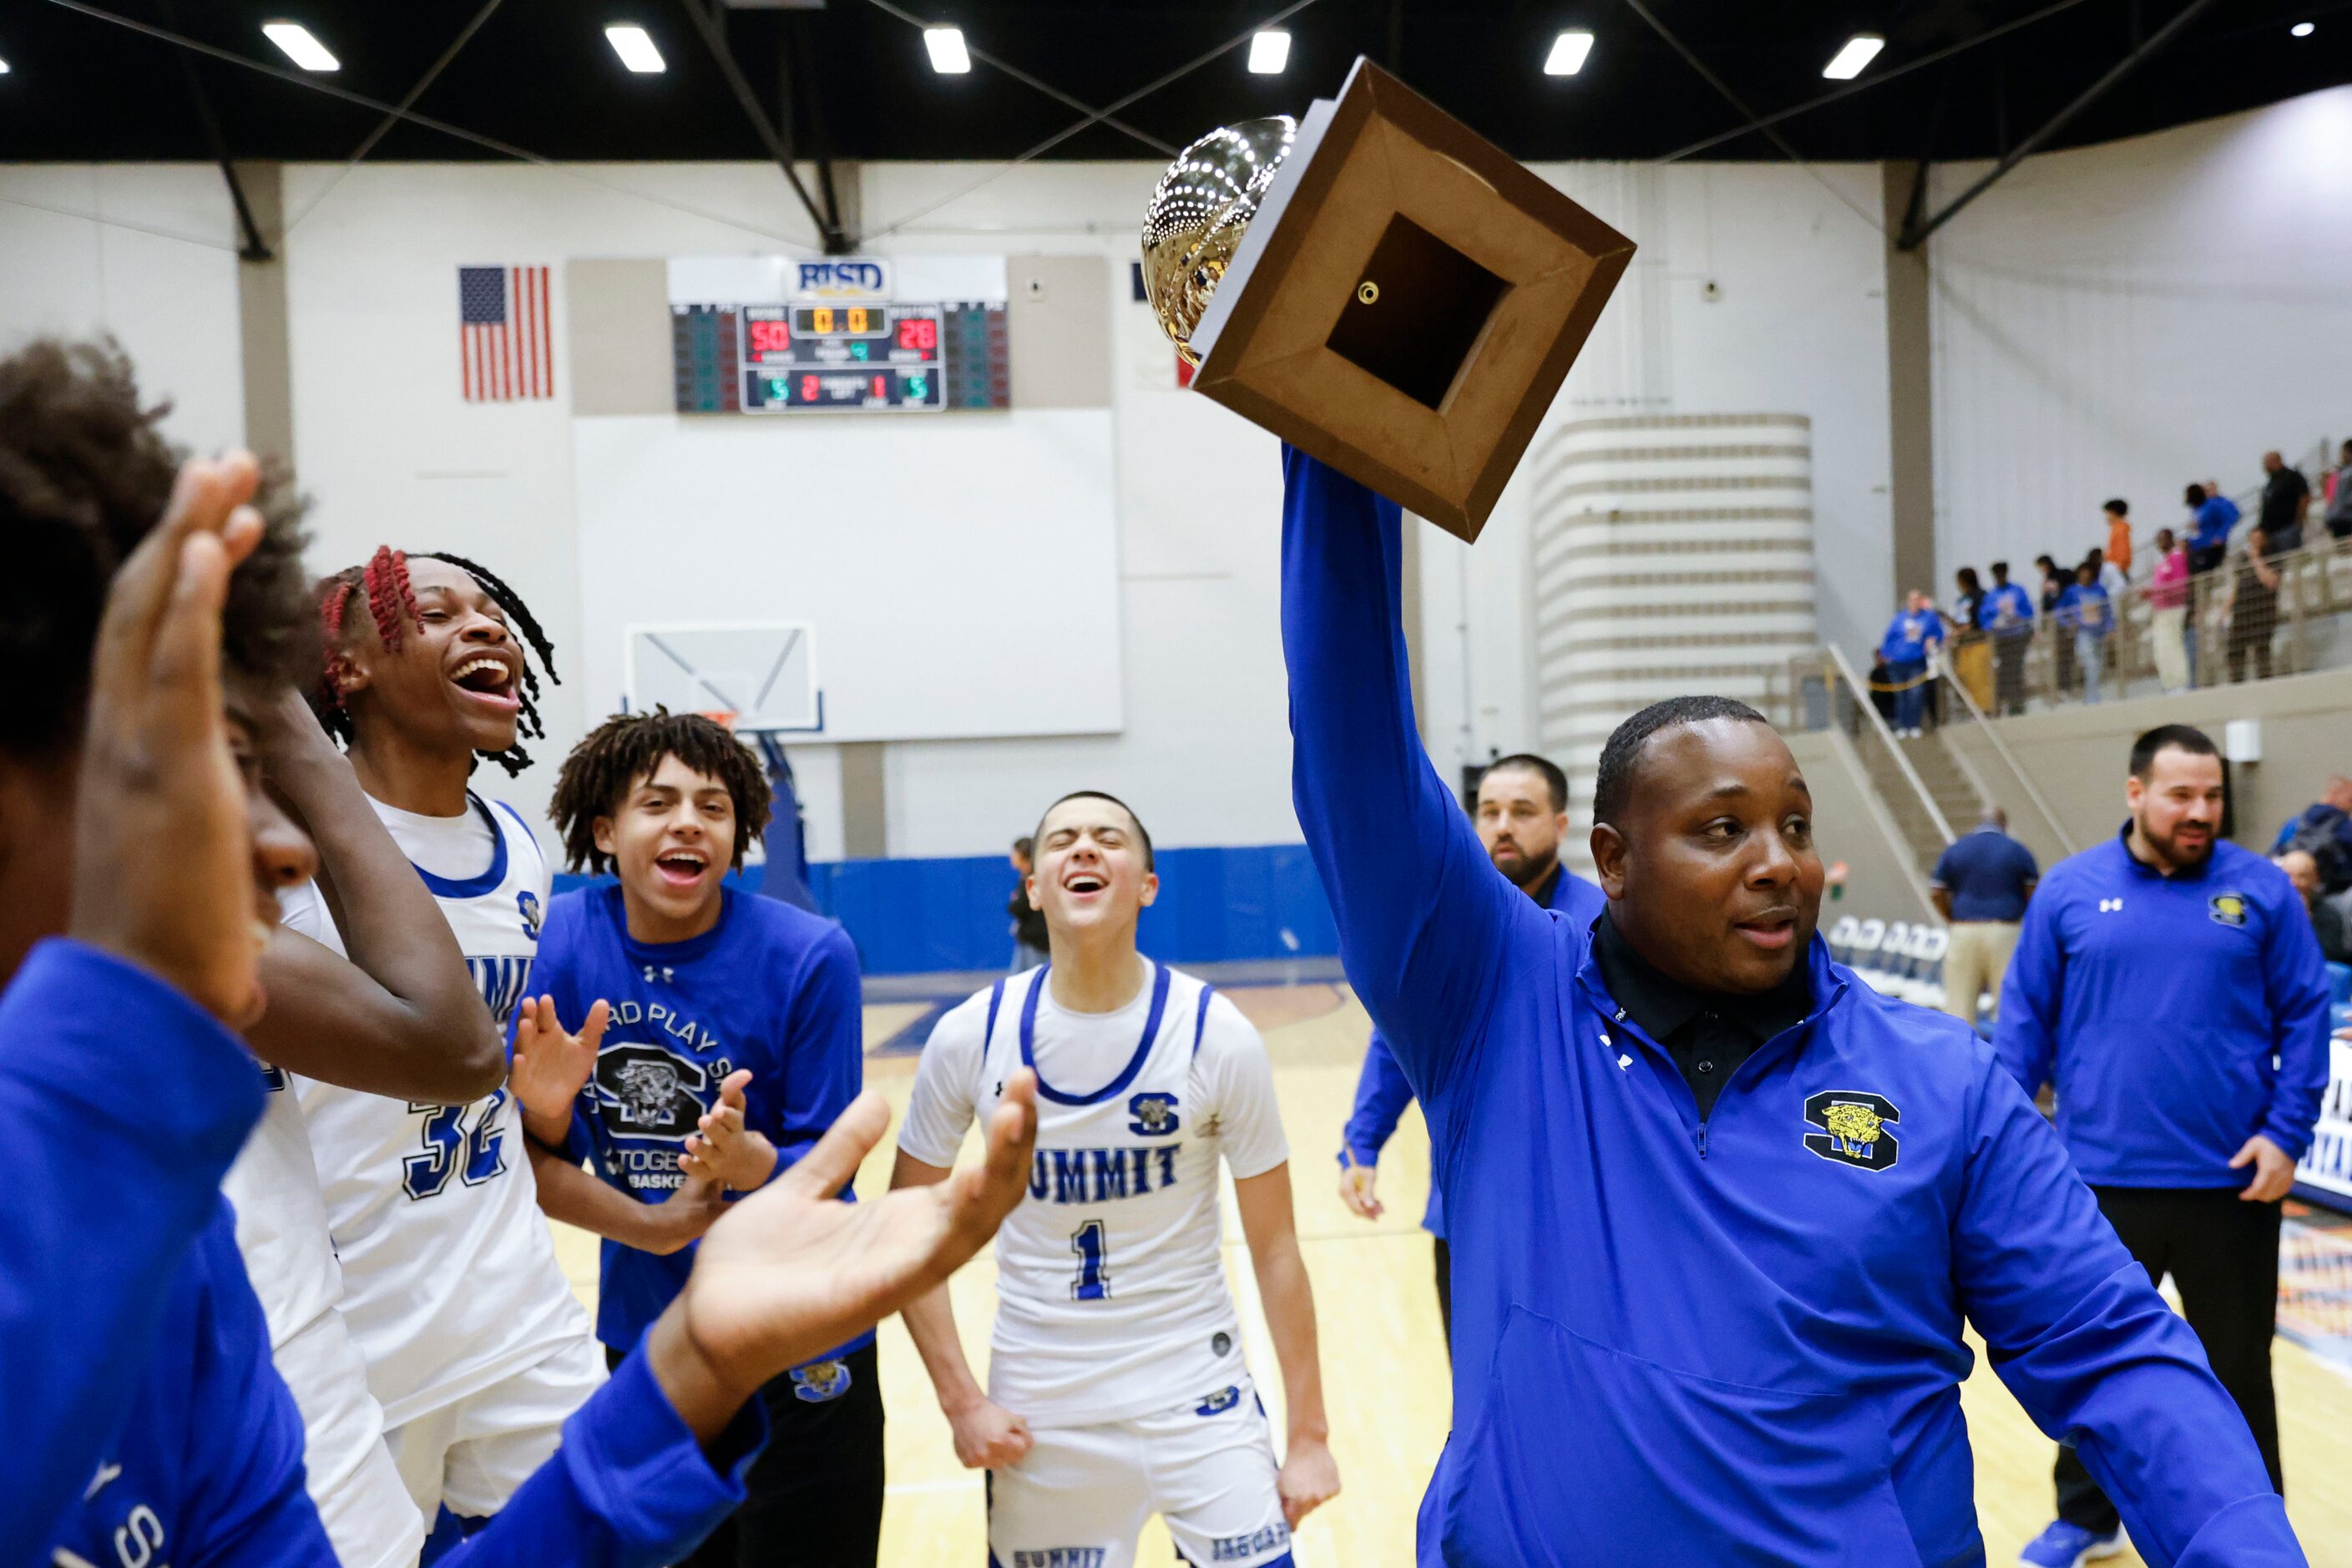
(1707, 1033)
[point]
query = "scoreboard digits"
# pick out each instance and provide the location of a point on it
(846, 358)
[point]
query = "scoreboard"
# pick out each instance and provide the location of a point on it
(840, 356)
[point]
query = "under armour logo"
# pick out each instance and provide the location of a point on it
(668, 974)
(1623, 1063)
(2110, 905)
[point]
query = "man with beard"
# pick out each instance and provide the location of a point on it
(2171, 987)
(1522, 812)
(1721, 1213)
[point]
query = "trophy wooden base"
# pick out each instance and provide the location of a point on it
(1406, 302)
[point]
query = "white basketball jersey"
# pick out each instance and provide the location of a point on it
(281, 1221)
(1110, 1283)
(450, 1280)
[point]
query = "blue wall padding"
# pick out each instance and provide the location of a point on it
(915, 917)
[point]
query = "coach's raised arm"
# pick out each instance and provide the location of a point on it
(1718, 1213)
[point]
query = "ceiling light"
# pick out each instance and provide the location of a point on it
(4, 68)
(949, 57)
(635, 47)
(300, 47)
(1568, 52)
(1269, 52)
(2302, 29)
(1859, 51)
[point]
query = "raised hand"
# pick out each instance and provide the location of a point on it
(988, 1437)
(164, 872)
(791, 1271)
(724, 1151)
(552, 1066)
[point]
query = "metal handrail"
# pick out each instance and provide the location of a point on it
(1942, 665)
(1878, 722)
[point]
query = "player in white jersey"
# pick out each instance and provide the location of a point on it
(475, 1344)
(402, 1017)
(1116, 1385)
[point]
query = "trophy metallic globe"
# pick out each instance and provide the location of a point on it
(1199, 212)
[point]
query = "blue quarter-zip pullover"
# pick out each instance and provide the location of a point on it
(1381, 1089)
(2178, 1015)
(1737, 1341)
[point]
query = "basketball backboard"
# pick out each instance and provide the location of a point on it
(763, 673)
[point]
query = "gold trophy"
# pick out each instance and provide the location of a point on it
(1380, 287)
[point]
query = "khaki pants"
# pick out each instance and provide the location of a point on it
(1975, 961)
(2165, 627)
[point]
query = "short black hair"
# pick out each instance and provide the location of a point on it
(85, 474)
(609, 760)
(2117, 505)
(1141, 832)
(1620, 756)
(2169, 737)
(2000, 571)
(2194, 495)
(2046, 563)
(1555, 781)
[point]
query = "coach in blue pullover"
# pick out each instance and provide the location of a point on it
(1719, 1212)
(2171, 986)
(1522, 811)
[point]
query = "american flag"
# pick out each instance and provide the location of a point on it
(505, 351)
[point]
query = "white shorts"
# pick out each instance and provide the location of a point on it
(1079, 1497)
(470, 1455)
(350, 1473)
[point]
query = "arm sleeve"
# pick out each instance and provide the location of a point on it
(2090, 1350)
(629, 1488)
(824, 1050)
(940, 1107)
(2294, 974)
(1381, 1095)
(1241, 1086)
(1943, 873)
(2026, 1031)
(1424, 922)
(76, 1025)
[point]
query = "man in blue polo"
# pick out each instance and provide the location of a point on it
(1981, 887)
(1720, 1212)
(1522, 813)
(2171, 987)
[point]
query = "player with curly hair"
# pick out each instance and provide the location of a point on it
(720, 1033)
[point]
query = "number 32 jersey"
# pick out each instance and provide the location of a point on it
(451, 1281)
(1111, 1298)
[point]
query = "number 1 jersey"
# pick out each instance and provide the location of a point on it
(1111, 1298)
(450, 1280)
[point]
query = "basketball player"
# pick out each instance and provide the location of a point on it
(736, 1038)
(1733, 1207)
(1522, 812)
(475, 1344)
(172, 871)
(1116, 1383)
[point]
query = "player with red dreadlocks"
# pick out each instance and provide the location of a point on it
(476, 1347)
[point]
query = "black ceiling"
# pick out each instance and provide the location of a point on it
(539, 75)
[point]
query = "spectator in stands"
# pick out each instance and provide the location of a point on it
(2339, 496)
(2085, 610)
(2324, 830)
(1980, 888)
(2329, 913)
(1029, 937)
(2055, 584)
(2119, 539)
(1882, 688)
(2286, 496)
(2211, 515)
(2164, 983)
(1971, 649)
(2008, 615)
(2167, 603)
(2110, 576)
(1914, 631)
(2253, 608)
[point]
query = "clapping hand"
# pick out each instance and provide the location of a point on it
(552, 1066)
(724, 1151)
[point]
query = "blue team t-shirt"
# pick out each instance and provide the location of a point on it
(771, 987)
(1987, 872)
(1908, 635)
